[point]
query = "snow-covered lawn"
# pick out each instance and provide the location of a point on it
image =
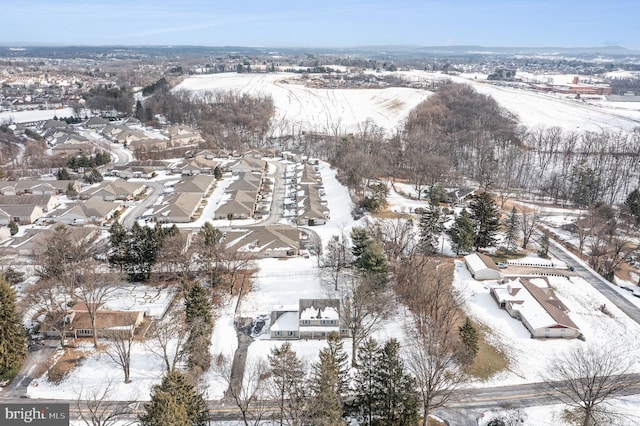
(97, 371)
(153, 300)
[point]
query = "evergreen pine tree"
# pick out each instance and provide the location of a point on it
(197, 305)
(63, 174)
(462, 233)
(366, 391)
(199, 319)
(373, 260)
(287, 374)
(512, 230)
(398, 397)
(13, 227)
(368, 254)
(328, 384)
(139, 112)
(175, 401)
(360, 240)
(632, 203)
(486, 218)
(469, 336)
(13, 349)
(217, 173)
(430, 229)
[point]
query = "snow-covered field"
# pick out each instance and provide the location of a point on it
(300, 108)
(35, 115)
(537, 109)
(345, 110)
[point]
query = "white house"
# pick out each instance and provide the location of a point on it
(537, 306)
(311, 319)
(482, 267)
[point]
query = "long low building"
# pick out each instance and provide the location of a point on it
(537, 306)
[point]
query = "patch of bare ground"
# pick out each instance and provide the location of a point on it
(64, 364)
(434, 422)
(388, 214)
(489, 360)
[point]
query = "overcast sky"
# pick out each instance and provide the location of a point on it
(323, 23)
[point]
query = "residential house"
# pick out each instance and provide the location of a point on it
(138, 169)
(93, 210)
(148, 144)
(180, 135)
(72, 149)
(460, 195)
(319, 318)
(78, 322)
(312, 209)
(128, 136)
(49, 124)
(182, 205)
(112, 190)
(275, 241)
(537, 306)
(178, 208)
(313, 319)
(249, 164)
(111, 131)
(5, 218)
(32, 242)
(22, 214)
(243, 197)
(45, 202)
(200, 184)
(95, 123)
(43, 187)
(482, 267)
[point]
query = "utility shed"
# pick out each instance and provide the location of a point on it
(482, 267)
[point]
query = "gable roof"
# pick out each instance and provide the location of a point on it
(262, 238)
(480, 261)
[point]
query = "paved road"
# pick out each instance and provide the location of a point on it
(119, 154)
(33, 364)
(154, 191)
(276, 212)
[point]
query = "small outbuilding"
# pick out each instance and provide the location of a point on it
(482, 267)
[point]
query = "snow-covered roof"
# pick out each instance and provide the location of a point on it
(478, 262)
(312, 312)
(539, 307)
(285, 322)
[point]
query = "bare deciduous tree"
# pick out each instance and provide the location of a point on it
(94, 289)
(336, 259)
(587, 378)
(96, 408)
(433, 361)
(363, 307)
(119, 347)
(167, 338)
(53, 299)
(528, 222)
